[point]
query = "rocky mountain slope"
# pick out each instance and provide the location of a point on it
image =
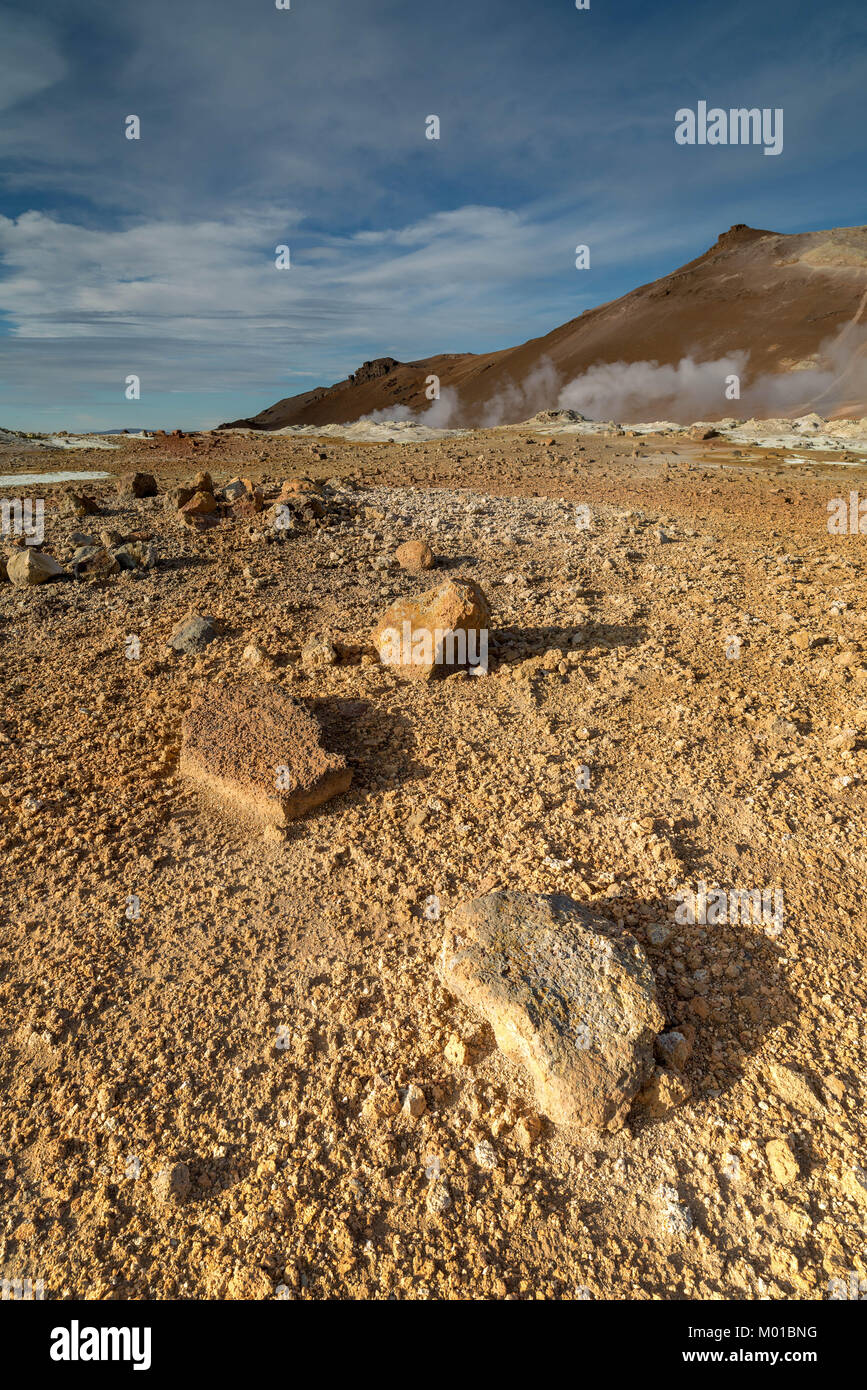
(780, 301)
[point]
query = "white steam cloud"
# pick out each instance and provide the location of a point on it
(688, 390)
(513, 403)
(633, 391)
(439, 416)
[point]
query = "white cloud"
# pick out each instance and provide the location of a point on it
(199, 279)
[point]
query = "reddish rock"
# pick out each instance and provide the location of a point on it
(174, 500)
(295, 485)
(257, 751)
(414, 556)
(244, 498)
(200, 504)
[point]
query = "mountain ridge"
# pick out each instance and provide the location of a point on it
(775, 300)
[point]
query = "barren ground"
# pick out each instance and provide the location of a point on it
(240, 1022)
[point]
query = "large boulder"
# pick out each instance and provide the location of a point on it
(427, 634)
(27, 566)
(568, 998)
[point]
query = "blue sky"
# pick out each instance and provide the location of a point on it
(306, 127)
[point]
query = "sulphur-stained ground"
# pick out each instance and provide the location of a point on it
(676, 696)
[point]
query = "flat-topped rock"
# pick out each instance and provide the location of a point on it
(257, 751)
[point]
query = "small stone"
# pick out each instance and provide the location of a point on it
(236, 488)
(75, 503)
(853, 1183)
(658, 933)
(94, 561)
(527, 1131)
(193, 634)
(792, 1088)
(172, 1185)
(200, 504)
(254, 655)
(174, 500)
(414, 1103)
(414, 556)
(303, 504)
(834, 1086)
(318, 653)
(292, 487)
(676, 1216)
(438, 1198)
(485, 1154)
(136, 555)
(249, 1284)
(457, 1052)
(244, 497)
(137, 485)
(665, 1092)
(105, 1097)
(382, 1101)
(781, 1161)
(673, 1049)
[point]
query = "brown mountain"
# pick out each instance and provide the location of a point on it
(779, 297)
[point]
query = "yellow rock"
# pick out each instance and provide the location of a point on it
(782, 1161)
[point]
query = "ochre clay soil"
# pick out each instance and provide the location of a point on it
(178, 987)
